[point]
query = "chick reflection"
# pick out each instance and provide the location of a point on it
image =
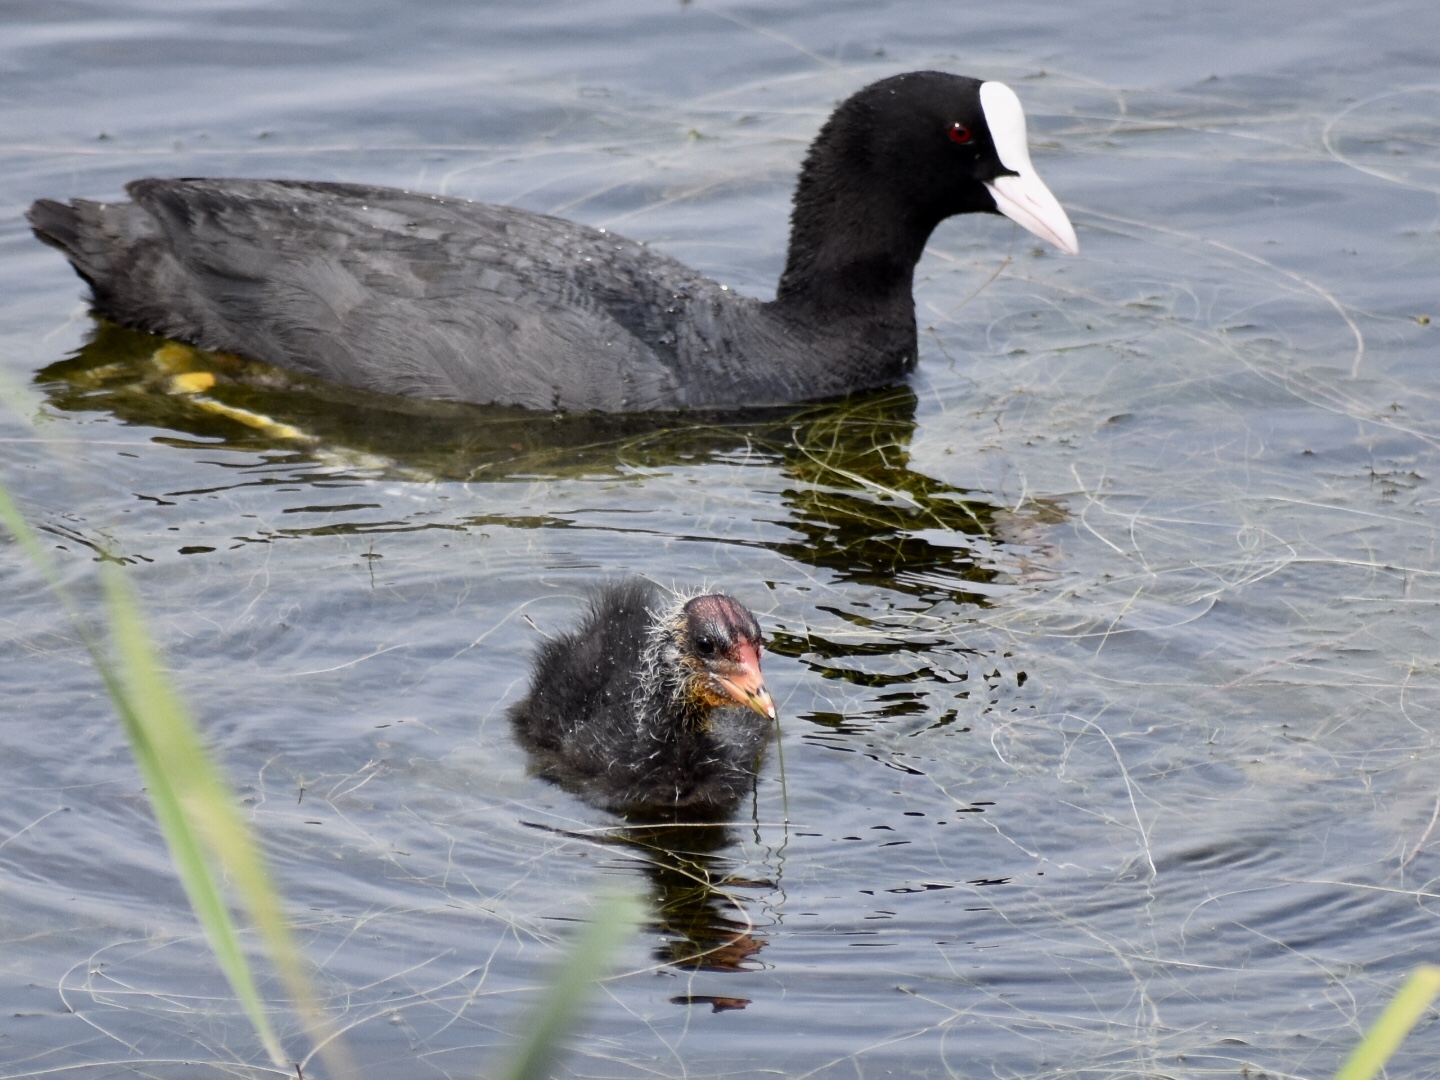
(701, 926)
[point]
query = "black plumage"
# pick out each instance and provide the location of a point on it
(442, 298)
(654, 701)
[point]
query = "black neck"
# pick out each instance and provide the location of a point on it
(851, 254)
(855, 236)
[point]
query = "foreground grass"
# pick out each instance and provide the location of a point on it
(209, 842)
(193, 806)
(1405, 1010)
(616, 918)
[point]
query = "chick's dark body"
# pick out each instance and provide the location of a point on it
(596, 725)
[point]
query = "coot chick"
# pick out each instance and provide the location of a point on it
(442, 298)
(654, 700)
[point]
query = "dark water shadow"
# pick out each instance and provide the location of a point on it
(853, 506)
(702, 925)
(698, 919)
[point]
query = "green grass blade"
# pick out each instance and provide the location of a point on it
(1387, 1033)
(616, 917)
(198, 815)
(194, 809)
(192, 803)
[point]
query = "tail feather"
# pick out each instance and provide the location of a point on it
(119, 250)
(59, 225)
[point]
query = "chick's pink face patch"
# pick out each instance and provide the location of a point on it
(724, 642)
(746, 655)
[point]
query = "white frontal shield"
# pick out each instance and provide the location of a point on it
(1023, 198)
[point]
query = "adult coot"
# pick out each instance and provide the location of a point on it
(442, 298)
(654, 700)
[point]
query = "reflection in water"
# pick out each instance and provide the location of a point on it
(835, 478)
(702, 926)
(862, 513)
(674, 769)
(854, 507)
(700, 923)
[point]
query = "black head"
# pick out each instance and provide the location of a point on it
(923, 137)
(897, 158)
(720, 645)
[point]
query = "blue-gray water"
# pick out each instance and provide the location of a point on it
(1105, 652)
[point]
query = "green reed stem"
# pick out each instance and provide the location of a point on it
(193, 805)
(1387, 1033)
(616, 917)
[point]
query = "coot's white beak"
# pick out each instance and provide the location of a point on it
(1022, 198)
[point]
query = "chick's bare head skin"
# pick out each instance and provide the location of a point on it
(719, 646)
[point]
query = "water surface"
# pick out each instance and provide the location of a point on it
(1105, 649)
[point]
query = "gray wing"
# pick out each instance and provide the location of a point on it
(403, 293)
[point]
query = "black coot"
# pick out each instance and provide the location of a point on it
(654, 701)
(442, 298)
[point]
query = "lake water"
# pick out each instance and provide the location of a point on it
(1105, 650)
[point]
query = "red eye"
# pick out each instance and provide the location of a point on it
(959, 133)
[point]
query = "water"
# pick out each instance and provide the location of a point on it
(1105, 650)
